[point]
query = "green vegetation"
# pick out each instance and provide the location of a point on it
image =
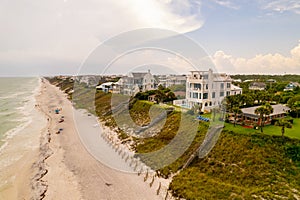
(244, 164)
(252, 166)
(162, 94)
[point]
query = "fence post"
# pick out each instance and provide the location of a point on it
(158, 189)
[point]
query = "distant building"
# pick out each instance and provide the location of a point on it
(106, 87)
(291, 86)
(271, 81)
(250, 118)
(207, 89)
(170, 80)
(237, 80)
(257, 86)
(135, 82)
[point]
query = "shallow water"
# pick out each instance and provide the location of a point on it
(16, 102)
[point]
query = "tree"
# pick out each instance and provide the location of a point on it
(263, 111)
(236, 112)
(294, 104)
(284, 124)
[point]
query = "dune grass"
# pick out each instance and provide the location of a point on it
(244, 164)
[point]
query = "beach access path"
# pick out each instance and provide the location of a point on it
(72, 172)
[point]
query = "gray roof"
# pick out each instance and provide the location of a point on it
(257, 84)
(138, 74)
(277, 109)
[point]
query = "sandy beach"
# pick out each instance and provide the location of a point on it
(59, 166)
(72, 171)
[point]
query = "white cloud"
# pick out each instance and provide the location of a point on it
(282, 5)
(227, 4)
(69, 30)
(268, 63)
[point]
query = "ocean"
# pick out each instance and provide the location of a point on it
(16, 103)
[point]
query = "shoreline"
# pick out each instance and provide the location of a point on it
(19, 153)
(60, 165)
(73, 172)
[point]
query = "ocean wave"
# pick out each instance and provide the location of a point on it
(16, 109)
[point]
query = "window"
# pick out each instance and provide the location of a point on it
(205, 95)
(197, 86)
(190, 85)
(227, 93)
(228, 85)
(221, 94)
(222, 85)
(195, 95)
(190, 95)
(213, 95)
(205, 76)
(199, 95)
(206, 86)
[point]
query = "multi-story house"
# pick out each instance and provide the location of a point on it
(170, 80)
(135, 82)
(207, 89)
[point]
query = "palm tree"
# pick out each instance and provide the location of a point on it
(284, 124)
(294, 104)
(263, 111)
(236, 111)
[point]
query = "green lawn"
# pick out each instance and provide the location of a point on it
(293, 132)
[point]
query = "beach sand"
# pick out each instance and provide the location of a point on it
(18, 156)
(71, 171)
(47, 165)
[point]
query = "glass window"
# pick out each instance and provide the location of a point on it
(205, 95)
(199, 95)
(197, 85)
(195, 95)
(221, 94)
(222, 86)
(213, 95)
(227, 93)
(228, 85)
(206, 86)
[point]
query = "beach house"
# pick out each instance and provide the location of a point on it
(249, 117)
(207, 89)
(135, 82)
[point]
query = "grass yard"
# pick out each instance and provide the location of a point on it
(293, 132)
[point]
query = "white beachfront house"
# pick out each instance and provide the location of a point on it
(135, 82)
(106, 87)
(207, 89)
(171, 79)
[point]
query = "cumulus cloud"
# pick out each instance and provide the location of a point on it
(268, 63)
(68, 30)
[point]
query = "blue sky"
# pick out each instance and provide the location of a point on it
(57, 36)
(248, 28)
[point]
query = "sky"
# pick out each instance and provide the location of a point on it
(52, 37)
